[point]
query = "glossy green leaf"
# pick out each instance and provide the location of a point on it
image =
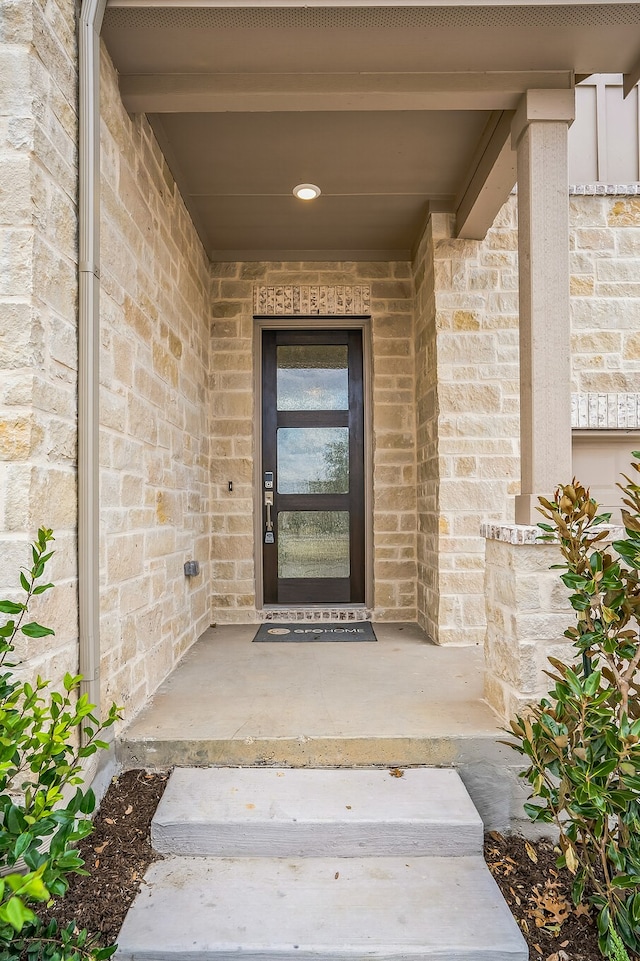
(36, 630)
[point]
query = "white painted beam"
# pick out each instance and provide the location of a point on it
(631, 79)
(492, 177)
(257, 92)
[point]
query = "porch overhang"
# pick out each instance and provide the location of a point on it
(394, 110)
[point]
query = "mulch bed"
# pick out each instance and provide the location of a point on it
(119, 851)
(539, 895)
(116, 856)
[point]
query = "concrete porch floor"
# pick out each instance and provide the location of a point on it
(399, 702)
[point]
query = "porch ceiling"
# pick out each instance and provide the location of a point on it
(391, 110)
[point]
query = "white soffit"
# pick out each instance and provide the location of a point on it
(279, 76)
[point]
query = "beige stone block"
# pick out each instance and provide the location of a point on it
(587, 211)
(47, 497)
(165, 365)
(467, 348)
(234, 289)
(631, 348)
(227, 308)
(628, 242)
(466, 320)
(61, 441)
(385, 522)
(16, 261)
(240, 361)
(235, 404)
(20, 347)
(137, 319)
(617, 270)
(598, 239)
(231, 428)
(465, 397)
(627, 291)
(609, 382)
(581, 286)
(125, 557)
(506, 239)
(602, 341)
(168, 508)
(19, 436)
(397, 417)
(605, 314)
(224, 329)
(133, 596)
(372, 270)
(502, 302)
(391, 290)
(625, 213)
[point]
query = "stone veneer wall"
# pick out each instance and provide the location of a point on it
(38, 354)
(527, 613)
(426, 404)
(154, 411)
(467, 325)
(605, 293)
(232, 428)
(468, 383)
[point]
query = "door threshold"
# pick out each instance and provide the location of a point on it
(317, 612)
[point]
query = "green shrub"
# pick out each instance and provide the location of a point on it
(44, 738)
(582, 741)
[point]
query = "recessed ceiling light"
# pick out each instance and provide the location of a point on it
(306, 191)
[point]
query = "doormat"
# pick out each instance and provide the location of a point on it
(301, 631)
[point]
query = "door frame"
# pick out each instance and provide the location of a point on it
(315, 322)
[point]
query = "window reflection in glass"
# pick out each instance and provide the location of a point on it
(313, 544)
(313, 460)
(312, 377)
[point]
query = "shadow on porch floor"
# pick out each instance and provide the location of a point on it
(399, 702)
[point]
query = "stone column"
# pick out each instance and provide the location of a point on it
(539, 135)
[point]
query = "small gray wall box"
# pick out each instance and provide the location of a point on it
(191, 568)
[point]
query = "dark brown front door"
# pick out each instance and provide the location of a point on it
(313, 467)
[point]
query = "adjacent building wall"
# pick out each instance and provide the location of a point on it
(154, 368)
(605, 293)
(38, 353)
(232, 428)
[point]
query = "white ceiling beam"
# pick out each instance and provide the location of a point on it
(631, 79)
(254, 92)
(490, 180)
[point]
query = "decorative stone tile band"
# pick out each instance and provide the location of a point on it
(308, 300)
(604, 190)
(510, 533)
(521, 534)
(591, 411)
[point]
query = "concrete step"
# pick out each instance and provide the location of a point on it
(329, 909)
(233, 812)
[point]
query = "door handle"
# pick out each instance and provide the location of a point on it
(268, 503)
